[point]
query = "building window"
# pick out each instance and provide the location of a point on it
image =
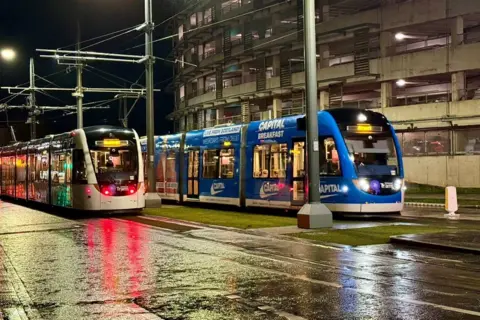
(268, 33)
(208, 49)
(414, 143)
(210, 83)
(438, 142)
(468, 141)
(193, 20)
(182, 93)
(227, 163)
(329, 160)
(210, 164)
(207, 18)
(236, 39)
(270, 161)
(180, 32)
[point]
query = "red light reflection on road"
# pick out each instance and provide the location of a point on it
(115, 249)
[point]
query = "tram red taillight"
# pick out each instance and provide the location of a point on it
(106, 191)
(132, 189)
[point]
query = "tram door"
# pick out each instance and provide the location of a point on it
(298, 174)
(193, 169)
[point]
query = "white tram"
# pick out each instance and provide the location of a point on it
(96, 168)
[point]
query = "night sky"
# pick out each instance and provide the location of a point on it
(29, 24)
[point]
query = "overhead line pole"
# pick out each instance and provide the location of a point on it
(313, 214)
(79, 90)
(148, 28)
(32, 102)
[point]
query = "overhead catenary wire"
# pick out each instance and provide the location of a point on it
(91, 106)
(50, 96)
(111, 38)
(110, 74)
(48, 81)
(93, 71)
(99, 37)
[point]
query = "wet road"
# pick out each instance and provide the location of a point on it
(115, 268)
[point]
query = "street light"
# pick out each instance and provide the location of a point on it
(8, 54)
(401, 83)
(400, 36)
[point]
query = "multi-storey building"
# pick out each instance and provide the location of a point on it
(416, 61)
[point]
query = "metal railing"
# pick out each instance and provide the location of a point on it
(359, 104)
(236, 42)
(207, 54)
(211, 88)
(407, 99)
(232, 82)
(293, 111)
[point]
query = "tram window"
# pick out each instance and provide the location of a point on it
(79, 167)
(261, 154)
(210, 164)
(270, 161)
(227, 163)
(329, 160)
(278, 160)
(298, 159)
(171, 170)
(114, 160)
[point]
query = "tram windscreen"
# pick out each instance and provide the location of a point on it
(118, 162)
(373, 155)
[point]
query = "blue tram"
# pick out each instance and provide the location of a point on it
(262, 164)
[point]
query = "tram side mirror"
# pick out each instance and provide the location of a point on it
(301, 124)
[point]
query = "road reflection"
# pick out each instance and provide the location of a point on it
(117, 251)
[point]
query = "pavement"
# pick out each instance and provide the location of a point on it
(108, 267)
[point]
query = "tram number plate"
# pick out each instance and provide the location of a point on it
(122, 188)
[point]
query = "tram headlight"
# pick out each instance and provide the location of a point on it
(344, 189)
(362, 184)
(397, 184)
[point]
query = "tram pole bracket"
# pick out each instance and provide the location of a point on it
(153, 200)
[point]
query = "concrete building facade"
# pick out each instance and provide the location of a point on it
(416, 61)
